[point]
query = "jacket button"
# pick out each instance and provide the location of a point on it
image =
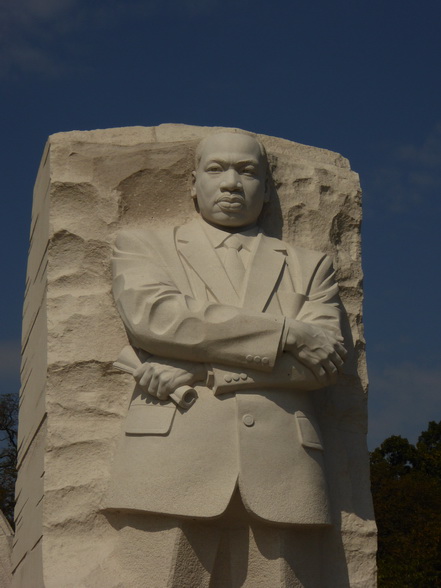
(257, 358)
(236, 378)
(243, 376)
(248, 420)
(249, 358)
(265, 360)
(228, 379)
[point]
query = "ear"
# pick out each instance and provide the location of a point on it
(266, 198)
(193, 185)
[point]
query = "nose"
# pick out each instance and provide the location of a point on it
(230, 180)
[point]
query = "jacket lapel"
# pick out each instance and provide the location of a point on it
(195, 247)
(265, 268)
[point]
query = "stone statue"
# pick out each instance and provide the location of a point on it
(232, 453)
(249, 325)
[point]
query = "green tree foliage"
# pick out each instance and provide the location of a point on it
(8, 453)
(406, 488)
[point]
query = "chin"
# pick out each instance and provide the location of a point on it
(235, 222)
(231, 223)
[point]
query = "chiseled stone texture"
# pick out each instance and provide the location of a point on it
(90, 185)
(6, 539)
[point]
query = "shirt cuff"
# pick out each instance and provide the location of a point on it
(209, 382)
(283, 339)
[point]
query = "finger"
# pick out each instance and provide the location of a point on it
(331, 372)
(332, 377)
(341, 350)
(137, 374)
(144, 381)
(321, 375)
(336, 360)
(153, 385)
(162, 391)
(329, 368)
(316, 368)
(334, 335)
(312, 359)
(323, 370)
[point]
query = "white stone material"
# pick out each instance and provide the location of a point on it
(74, 402)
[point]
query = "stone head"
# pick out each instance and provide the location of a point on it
(230, 182)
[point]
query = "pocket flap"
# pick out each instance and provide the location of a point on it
(149, 419)
(309, 432)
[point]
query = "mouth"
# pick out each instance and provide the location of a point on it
(230, 202)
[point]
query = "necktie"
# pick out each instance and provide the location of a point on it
(233, 263)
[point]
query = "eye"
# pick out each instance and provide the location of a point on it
(249, 171)
(213, 168)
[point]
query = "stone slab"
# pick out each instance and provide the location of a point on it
(90, 185)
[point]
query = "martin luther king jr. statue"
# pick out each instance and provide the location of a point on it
(253, 324)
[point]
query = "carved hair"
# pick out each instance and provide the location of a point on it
(201, 144)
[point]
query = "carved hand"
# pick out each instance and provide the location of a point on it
(160, 377)
(318, 349)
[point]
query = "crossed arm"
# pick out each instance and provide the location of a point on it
(176, 329)
(311, 360)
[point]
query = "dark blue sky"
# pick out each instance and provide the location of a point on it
(358, 77)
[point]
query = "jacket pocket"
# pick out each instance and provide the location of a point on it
(149, 419)
(308, 430)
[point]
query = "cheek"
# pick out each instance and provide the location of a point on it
(255, 196)
(206, 187)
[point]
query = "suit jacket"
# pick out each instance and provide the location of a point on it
(253, 424)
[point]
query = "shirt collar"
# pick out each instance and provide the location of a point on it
(217, 236)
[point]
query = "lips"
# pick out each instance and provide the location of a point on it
(230, 202)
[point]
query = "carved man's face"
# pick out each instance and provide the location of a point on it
(230, 180)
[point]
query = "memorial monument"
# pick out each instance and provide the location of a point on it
(225, 444)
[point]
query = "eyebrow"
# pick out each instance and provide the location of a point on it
(223, 161)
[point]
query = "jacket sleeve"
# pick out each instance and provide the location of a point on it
(312, 277)
(165, 321)
(322, 306)
(288, 373)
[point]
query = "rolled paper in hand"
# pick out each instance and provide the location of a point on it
(184, 396)
(128, 361)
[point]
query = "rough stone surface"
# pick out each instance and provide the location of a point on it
(6, 539)
(90, 185)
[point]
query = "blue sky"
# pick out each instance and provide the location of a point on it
(358, 77)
